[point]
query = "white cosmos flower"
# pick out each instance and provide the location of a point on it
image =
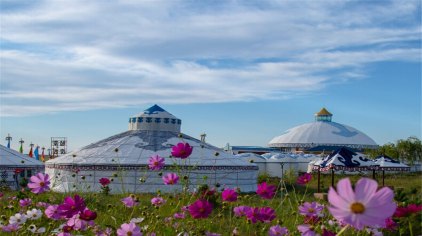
(18, 218)
(34, 230)
(34, 214)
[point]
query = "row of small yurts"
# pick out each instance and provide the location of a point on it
(124, 157)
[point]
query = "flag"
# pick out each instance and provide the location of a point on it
(21, 149)
(42, 155)
(37, 156)
(30, 152)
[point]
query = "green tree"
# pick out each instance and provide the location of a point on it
(410, 149)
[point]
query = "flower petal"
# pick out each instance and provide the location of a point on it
(344, 189)
(365, 189)
(337, 201)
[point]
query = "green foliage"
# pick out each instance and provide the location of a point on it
(409, 149)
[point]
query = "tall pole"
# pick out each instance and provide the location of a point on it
(319, 177)
(21, 147)
(8, 139)
(383, 176)
(332, 178)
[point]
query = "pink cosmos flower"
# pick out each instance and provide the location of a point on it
(170, 179)
(25, 202)
(266, 214)
(254, 214)
(312, 209)
(52, 213)
(326, 232)
(179, 215)
(130, 201)
(104, 181)
(77, 223)
(11, 228)
(229, 195)
(241, 210)
(363, 207)
(181, 150)
(129, 230)
(71, 206)
(42, 204)
(277, 230)
(157, 201)
(408, 210)
(88, 215)
(304, 179)
(156, 162)
(390, 224)
(266, 191)
(200, 209)
(306, 230)
(39, 183)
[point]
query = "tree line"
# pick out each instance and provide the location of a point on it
(408, 150)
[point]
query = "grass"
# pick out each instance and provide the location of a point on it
(112, 213)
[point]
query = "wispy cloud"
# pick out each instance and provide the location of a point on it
(77, 55)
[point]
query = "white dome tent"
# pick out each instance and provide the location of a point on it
(259, 160)
(323, 133)
(126, 156)
(14, 166)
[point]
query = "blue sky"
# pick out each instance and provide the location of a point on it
(242, 72)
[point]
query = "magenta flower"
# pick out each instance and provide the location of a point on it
(254, 214)
(181, 150)
(129, 230)
(200, 209)
(130, 201)
(306, 230)
(304, 179)
(170, 179)
(266, 191)
(312, 209)
(407, 210)
(267, 214)
(277, 230)
(39, 183)
(229, 195)
(88, 215)
(363, 207)
(52, 213)
(157, 201)
(156, 162)
(241, 211)
(104, 181)
(71, 206)
(25, 202)
(390, 224)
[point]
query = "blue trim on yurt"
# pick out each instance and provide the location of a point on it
(154, 109)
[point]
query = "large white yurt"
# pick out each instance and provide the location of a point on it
(124, 158)
(14, 166)
(322, 135)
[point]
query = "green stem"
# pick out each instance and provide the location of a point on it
(342, 230)
(410, 228)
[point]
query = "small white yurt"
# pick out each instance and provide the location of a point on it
(124, 158)
(259, 160)
(14, 166)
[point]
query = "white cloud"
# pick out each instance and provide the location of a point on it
(78, 55)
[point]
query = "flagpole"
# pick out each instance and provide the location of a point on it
(21, 147)
(8, 138)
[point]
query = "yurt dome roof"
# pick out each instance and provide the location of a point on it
(323, 132)
(11, 159)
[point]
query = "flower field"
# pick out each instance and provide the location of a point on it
(356, 206)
